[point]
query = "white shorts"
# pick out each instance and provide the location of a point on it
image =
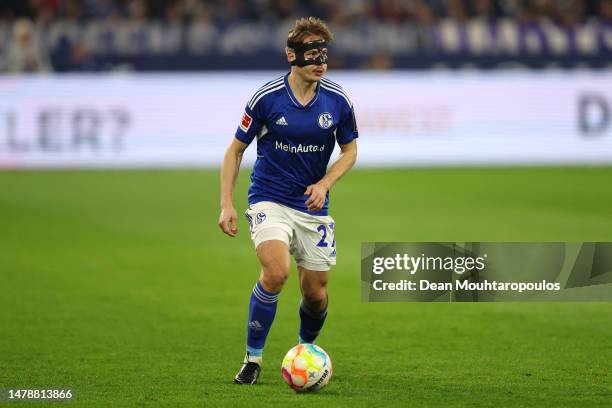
(310, 238)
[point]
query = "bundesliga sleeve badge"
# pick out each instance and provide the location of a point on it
(246, 121)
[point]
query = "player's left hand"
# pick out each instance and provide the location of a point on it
(317, 193)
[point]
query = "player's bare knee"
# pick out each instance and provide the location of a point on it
(273, 283)
(316, 300)
(273, 276)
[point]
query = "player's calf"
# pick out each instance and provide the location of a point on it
(313, 307)
(312, 320)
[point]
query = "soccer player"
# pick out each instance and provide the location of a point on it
(297, 119)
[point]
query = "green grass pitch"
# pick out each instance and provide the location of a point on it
(119, 285)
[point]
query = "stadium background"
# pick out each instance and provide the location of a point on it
(480, 121)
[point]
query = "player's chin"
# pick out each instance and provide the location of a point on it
(317, 73)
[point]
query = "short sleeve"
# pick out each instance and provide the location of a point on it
(250, 124)
(347, 129)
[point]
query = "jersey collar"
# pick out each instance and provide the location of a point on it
(294, 99)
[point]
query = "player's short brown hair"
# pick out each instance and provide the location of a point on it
(309, 26)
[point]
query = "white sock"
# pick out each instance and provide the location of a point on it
(253, 359)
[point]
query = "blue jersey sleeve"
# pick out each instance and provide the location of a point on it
(347, 129)
(250, 124)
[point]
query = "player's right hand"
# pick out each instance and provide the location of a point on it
(227, 221)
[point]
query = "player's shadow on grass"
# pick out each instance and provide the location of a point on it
(276, 385)
(318, 394)
(272, 385)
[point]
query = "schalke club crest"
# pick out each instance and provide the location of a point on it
(325, 120)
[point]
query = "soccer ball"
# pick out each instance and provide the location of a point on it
(306, 367)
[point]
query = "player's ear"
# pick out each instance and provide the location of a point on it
(290, 54)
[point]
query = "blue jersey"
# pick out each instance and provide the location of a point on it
(294, 142)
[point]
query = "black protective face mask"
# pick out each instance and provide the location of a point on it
(301, 48)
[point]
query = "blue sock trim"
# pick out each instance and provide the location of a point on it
(265, 292)
(315, 315)
(254, 352)
(263, 298)
(302, 341)
(263, 295)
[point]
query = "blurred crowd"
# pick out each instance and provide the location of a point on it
(22, 21)
(337, 12)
